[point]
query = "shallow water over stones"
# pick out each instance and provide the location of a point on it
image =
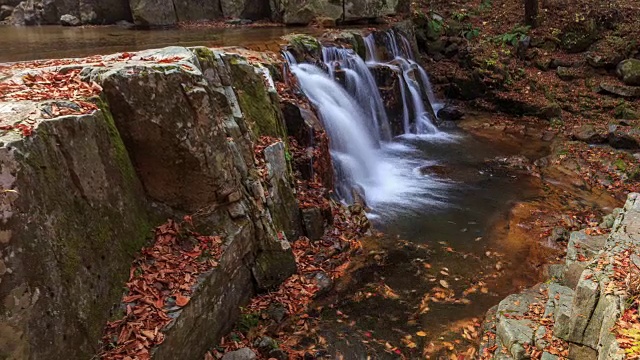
(437, 268)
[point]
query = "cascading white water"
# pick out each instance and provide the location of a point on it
(348, 102)
(359, 82)
(402, 57)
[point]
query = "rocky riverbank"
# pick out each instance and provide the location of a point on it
(99, 152)
(587, 309)
(169, 12)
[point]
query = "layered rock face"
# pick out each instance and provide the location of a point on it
(41, 12)
(73, 215)
(575, 313)
(170, 12)
(82, 192)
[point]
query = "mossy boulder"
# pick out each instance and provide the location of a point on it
(579, 35)
(305, 48)
(73, 216)
(629, 72)
(608, 52)
(624, 112)
(257, 96)
(349, 38)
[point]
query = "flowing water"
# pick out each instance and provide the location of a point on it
(429, 191)
(367, 160)
(440, 206)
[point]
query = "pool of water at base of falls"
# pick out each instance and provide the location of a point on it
(449, 222)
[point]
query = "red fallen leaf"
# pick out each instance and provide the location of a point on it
(182, 300)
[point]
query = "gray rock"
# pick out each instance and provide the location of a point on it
(584, 303)
(559, 305)
(553, 271)
(194, 10)
(277, 312)
(282, 201)
(72, 226)
(568, 73)
(278, 354)
(238, 22)
(153, 12)
(5, 11)
(272, 267)
(242, 354)
(69, 20)
(548, 356)
(608, 220)
(550, 111)
(588, 134)
(621, 90)
(34, 12)
(623, 137)
(313, 223)
(572, 274)
(583, 247)
(582, 352)
(511, 331)
(323, 281)
(539, 339)
(607, 53)
(265, 344)
(629, 71)
(193, 143)
(559, 234)
(450, 113)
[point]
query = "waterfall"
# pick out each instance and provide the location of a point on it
(367, 160)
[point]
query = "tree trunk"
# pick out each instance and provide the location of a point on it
(531, 12)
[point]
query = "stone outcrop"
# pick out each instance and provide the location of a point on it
(83, 192)
(41, 12)
(147, 13)
(629, 71)
(573, 314)
(73, 216)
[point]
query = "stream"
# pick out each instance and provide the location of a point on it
(441, 259)
(50, 42)
(441, 208)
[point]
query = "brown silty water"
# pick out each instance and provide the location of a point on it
(48, 42)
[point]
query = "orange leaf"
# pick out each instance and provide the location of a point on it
(182, 300)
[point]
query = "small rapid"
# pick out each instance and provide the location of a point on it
(369, 161)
